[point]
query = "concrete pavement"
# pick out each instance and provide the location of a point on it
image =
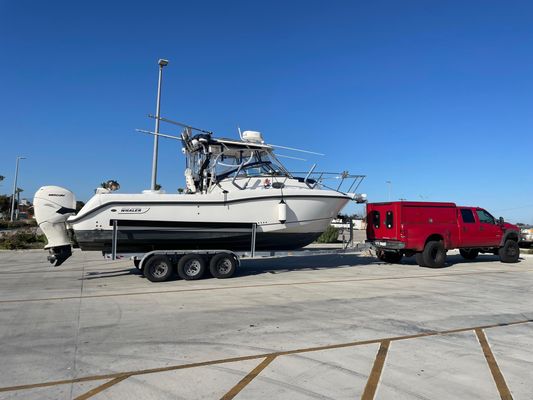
(328, 327)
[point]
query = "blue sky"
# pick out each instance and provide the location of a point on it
(436, 97)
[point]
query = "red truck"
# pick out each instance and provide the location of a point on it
(428, 229)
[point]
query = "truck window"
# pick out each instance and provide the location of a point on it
(375, 219)
(468, 216)
(388, 219)
(485, 217)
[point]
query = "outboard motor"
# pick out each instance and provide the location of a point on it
(53, 205)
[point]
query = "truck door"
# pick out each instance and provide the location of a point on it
(490, 233)
(469, 228)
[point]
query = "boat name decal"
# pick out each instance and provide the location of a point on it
(133, 210)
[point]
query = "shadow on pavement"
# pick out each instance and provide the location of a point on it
(301, 263)
(112, 274)
(278, 265)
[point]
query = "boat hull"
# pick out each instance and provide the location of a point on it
(145, 226)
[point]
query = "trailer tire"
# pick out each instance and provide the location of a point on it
(223, 265)
(158, 269)
(191, 267)
(469, 254)
(434, 254)
(391, 257)
(509, 252)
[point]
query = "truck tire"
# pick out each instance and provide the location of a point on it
(391, 257)
(223, 265)
(509, 252)
(469, 254)
(191, 267)
(434, 254)
(158, 269)
(420, 259)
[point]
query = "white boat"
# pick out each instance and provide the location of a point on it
(232, 186)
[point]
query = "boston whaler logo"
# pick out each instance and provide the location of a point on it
(133, 210)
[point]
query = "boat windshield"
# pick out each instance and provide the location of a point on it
(256, 163)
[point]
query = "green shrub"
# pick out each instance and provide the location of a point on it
(17, 224)
(330, 235)
(22, 240)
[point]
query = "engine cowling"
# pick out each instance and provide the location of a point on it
(53, 205)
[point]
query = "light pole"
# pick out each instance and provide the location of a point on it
(15, 188)
(390, 188)
(162, 63)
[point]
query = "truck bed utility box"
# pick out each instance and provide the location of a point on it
(428, 229)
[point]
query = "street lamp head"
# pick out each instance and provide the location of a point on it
(162, 62)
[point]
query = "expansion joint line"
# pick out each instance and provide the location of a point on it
(101, 388)
(269, 357)
(499, 380)
(234, 391)
(375, 374)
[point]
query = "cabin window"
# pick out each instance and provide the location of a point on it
(485, 217)
(388, 219)
(375, 219)
(468, 216)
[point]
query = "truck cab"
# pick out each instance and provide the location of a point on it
(428, 229)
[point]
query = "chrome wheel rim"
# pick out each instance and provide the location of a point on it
(192, 267)
(159, 270)
(224, 266)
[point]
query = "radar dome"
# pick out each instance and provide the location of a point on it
(252, 136)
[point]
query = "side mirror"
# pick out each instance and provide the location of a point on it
(500, 221)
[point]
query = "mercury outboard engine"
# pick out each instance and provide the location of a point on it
(53, 205)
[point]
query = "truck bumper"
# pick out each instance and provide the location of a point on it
(387, 244)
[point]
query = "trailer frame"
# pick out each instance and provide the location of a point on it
(204, 258)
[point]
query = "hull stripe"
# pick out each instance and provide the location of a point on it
(148, 240)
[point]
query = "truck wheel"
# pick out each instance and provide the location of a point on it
(419, 257)
(434, 254)
(158, 269)
(509, 252)
(469, 254)
(191, 267)
(223, 265)
(391, 257)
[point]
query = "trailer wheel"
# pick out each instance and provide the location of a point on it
(434, 254)
(223, 265)
(469, 254)
(509, 252)
(158, 269)
(191, 267)
(391, 257)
